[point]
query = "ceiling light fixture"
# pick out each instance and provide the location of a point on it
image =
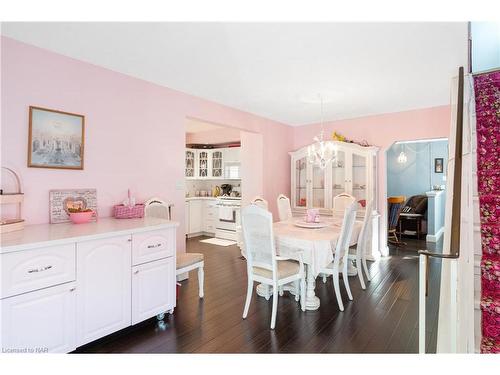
(321, 152)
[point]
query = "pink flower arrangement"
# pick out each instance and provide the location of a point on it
(487, 92)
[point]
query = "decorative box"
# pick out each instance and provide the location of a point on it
(121, 211)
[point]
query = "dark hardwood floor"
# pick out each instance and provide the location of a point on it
(381, 319)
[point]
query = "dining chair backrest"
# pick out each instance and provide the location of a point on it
(261, 202)
(341, 202)
(364, 233)
(284, 208)
(344, 240)
(155, 207)
(258, 237)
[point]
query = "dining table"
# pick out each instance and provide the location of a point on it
(316, 247)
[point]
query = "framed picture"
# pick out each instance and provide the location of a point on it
(56, 139)
(61, 200)
(438, 165)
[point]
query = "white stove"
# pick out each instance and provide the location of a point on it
(228, 217)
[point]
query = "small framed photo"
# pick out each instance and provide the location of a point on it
(438, 165)
(56, 139)
(60, 201)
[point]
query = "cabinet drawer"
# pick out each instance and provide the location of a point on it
(25, 271)
(154, 245)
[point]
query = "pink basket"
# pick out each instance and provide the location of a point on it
(126, 212)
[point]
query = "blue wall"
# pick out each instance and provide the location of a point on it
(485, 45)
(417, 175)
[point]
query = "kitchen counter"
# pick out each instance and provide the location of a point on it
(43, 235)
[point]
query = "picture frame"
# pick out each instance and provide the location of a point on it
(62, 199)
(438, 165)
(56, 139)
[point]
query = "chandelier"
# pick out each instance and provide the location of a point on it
(321, 152)
(402, 158)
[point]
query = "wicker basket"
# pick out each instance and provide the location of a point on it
(121, 211)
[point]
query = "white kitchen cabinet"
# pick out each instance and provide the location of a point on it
(186, 217)
(353, 171)
(41, 321)
(201, 216)
(209, 213)
(190, 163)
(153, 289)
(103, 284)
(232, 154)
(216, 163)
(65, 285)
(195, 216)
(211, 163)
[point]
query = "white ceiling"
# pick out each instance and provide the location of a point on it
(274, 69)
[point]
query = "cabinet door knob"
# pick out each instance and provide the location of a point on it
(136, 272)
(129, 240)
(73, 289)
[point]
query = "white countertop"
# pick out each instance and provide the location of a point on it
(42, 235)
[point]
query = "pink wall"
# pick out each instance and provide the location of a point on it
(214, 136)
(383, 131)
(135, 131)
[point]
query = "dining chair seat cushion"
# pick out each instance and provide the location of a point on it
(286, 268)
(188, 259)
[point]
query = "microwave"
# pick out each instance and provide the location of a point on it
(232, 170)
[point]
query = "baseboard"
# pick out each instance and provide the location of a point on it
(435, 237)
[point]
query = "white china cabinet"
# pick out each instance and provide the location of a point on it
(353, 171)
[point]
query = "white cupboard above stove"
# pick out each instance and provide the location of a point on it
(212, 164)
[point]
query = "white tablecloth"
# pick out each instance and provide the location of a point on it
(316, 245)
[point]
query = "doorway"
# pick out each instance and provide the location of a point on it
(416, 194)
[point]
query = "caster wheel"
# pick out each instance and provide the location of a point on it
(160, 316)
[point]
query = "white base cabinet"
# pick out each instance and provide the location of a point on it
(43, 321)
(123, 276)
(152, 290)
(201, 217)
(103, 285)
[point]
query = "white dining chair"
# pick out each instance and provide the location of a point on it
(263, 265)
(284, 208)
(261, 202)
(340, 257)
(156, 207)
(361, 246)
(185, 262)
(341, 202)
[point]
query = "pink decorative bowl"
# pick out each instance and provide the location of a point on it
(81, 217)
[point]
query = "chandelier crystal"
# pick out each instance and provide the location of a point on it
(321, 152)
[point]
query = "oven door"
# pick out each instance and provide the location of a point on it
(226, 216)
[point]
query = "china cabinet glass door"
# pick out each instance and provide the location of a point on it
(338, 170)
(358, 180)
(216, 164)
(317, 187)
(203, 164)
(190, 156)
(301, 182)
